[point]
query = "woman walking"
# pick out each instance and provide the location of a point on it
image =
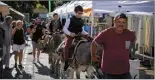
(18, 42)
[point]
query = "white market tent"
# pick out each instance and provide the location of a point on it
(108, 6)
(123, 6)
(128, 7)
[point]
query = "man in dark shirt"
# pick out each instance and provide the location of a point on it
(117, 42)
(55, 24)
(35, 37)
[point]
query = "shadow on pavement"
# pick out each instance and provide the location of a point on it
(7, 74)
(44, 70)
(22, 75)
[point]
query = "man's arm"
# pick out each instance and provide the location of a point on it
(13, 32)
(93, 50)
(65, 28)
(99, 39)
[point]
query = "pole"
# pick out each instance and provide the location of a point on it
(92, 24)
(119, 8)
(49, 6)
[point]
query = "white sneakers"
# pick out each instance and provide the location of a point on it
(38, 60)
(34, 60)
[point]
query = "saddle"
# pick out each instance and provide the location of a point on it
(74, 46)
(75, 43)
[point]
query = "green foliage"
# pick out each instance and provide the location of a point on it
(133, 50)
(28, 6)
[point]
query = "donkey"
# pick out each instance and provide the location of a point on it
(50, 43)
(81, 59)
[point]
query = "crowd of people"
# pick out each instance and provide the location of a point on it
(15, 35)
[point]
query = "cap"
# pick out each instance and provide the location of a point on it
(120, 15)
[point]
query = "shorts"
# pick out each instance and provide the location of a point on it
(18, 47)
(35, 45)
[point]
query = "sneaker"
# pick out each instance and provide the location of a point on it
(38, 60)
(21, 66)
(34, 60)
(15, 65)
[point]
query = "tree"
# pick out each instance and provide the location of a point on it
(28, 6)
(22, 6)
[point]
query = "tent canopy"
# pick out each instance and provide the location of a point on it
(109, 6)
(125, 6)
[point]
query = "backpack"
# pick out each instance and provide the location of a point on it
(2, 32)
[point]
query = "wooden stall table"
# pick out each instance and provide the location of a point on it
(141, 68)
(150, 73)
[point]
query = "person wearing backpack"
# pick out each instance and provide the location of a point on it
(7, 41)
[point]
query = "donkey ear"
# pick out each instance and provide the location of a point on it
(51, 38)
